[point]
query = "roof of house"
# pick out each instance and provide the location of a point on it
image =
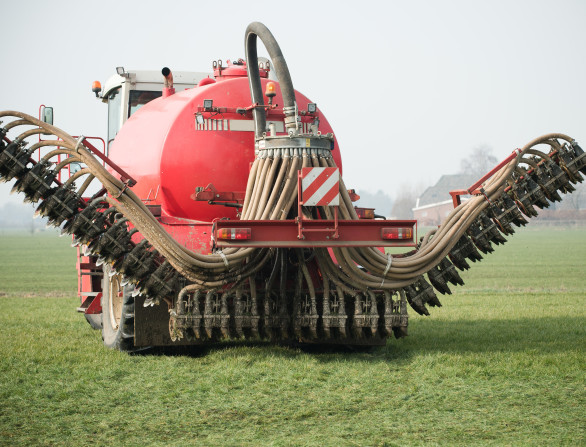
(440, 192)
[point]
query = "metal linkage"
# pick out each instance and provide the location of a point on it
(14, 160)
(216, 317)
(572, 161)
(138, 264)
(246, 316)
(396, 317)
(164, 282)
(90, 223)
(578, 156)
(480, 237)
(61, 206)
(37, 182)
(546, 183)
(306, 317)
(276, 316)
(185, 317)
(524, 192)
(334, 318)
(505, 212)
(305, 314)
(365, 318)
(490, 229)
(510, 208)
(419, 294)
(464, 249)
(114, 243)
(560, 180)
(442, 274)
(3, 139)
(536, 193)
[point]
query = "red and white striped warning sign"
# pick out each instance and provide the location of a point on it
(320, 186)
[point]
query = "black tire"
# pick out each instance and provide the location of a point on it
(117, 313)
(95, 320)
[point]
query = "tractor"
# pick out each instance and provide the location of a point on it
(216, 210)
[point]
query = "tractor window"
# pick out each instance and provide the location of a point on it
(139, 98)
(114, 102)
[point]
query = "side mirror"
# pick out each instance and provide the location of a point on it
(74, 167)
(47, 115)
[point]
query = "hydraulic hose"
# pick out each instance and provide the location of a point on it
(254, 30)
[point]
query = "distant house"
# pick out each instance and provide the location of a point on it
(435, 203)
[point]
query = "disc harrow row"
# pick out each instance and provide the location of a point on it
(358, 293)
(245, 312)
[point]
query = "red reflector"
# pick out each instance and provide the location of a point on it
(365, 213)
(234, 234)
(402, 233)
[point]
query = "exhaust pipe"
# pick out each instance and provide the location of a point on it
(168, 89)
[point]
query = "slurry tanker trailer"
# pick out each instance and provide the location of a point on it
(221, 212)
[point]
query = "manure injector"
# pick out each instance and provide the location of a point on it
(224, 216)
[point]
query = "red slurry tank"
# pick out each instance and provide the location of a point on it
(174, 144)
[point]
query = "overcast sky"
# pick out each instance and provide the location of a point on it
(409, 87)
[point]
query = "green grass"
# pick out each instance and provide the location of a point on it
(38, 265)
(502, 363)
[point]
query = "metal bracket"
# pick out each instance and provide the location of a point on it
(211, 194)
(300, 220)
(474, 189)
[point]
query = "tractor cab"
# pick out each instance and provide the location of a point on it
(127, 91)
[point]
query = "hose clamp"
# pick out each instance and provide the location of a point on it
(483, 192)
(117, 196)
(387, 268)
(79, 143)
(224, 258)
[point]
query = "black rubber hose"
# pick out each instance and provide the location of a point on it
(271, 280)
(283, 275)
(252, 31)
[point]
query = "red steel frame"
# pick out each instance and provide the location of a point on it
(317, 233)
(124, 176)
(314, 233)
(474, 190)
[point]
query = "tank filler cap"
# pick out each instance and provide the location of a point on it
(236, 69)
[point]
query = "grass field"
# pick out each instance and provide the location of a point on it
(502, 363)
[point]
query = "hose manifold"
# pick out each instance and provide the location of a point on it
(321, 143)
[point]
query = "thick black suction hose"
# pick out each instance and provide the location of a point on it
(278, 61)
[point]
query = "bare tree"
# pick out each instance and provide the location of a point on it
(479, 162)
(405, 200)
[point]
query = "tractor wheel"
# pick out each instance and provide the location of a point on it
(117, 313)
(95, 320)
